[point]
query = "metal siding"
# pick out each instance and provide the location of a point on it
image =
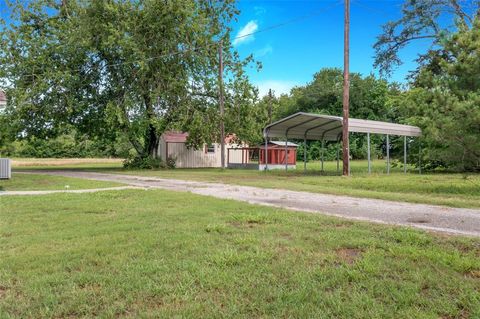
(235, 155)
(192, 158)
(5, 168)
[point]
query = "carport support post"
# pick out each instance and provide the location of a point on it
(286, 152)
(305, 153)
(266, 152)
(368, 153)
(323, 150)
(405, 154)
(388, 154)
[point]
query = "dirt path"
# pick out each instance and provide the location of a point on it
(429, 217)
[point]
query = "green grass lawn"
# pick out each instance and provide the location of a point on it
(29, 182)
(455, 190)
(156, 253)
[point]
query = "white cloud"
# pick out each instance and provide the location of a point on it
(279, 87)
(263, 51)
(243, 35)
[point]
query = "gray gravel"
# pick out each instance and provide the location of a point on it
(429, 217)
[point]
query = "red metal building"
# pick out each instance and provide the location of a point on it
(276, 158)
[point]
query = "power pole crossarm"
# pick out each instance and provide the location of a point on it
(346, 91)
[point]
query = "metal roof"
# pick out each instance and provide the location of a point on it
(175, 137)
(282, 143)
(181, 137)
(326, 127)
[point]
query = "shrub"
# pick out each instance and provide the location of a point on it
(138, 162)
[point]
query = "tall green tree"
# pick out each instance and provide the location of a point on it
(133, 68)
(445, 102)
(422, 20)
(369, 96)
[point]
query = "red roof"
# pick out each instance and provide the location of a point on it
(3, 97)
(181, 137)
(175, 137)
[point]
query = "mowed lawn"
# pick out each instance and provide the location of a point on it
(153, 253)
(455, 190)
(32, 182)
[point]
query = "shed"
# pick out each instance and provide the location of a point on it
(172, 144)
(275, 158)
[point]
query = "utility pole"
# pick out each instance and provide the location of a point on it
(270, 97)
(346, 91)
(221, 105)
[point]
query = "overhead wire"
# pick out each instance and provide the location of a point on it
(171, 54)
(361, 4)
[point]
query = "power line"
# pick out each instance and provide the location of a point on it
(297, 19)
(269, 28)
(376, 10)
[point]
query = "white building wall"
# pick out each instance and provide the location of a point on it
(235, 154)
(192, 158)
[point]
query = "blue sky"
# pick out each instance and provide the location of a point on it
(292, 53)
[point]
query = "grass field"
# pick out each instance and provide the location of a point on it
(455, 190)
(162, 254)
(30, 182)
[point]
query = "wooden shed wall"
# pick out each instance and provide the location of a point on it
(191, 158)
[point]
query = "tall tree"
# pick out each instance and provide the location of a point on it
(445, 102)
(422, 19)
(133, 67)
(369, 96)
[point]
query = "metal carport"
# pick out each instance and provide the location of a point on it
(309, 126)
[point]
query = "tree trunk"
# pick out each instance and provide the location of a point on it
(151, 141)
(151, 137)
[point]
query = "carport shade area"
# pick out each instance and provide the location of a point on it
(308, 126)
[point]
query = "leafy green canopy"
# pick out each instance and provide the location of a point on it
(129, 68)
(445, 102)
(426, 20)
(443, 97)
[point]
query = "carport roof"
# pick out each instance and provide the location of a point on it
(326, 127)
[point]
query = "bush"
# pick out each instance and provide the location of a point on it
(171, 162)
(66, 146)
(138, 162)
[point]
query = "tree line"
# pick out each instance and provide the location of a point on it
(114, 75)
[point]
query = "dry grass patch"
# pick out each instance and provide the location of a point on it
(57, 162)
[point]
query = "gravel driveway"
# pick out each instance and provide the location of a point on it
(429, 217)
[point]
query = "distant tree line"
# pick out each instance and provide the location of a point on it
(107, 78)
(442, 95)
